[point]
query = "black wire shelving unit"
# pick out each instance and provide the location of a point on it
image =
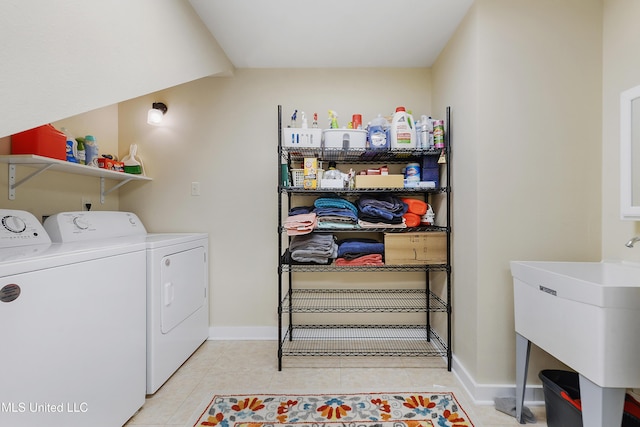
(296, 338)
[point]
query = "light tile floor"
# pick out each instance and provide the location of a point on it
(245, 367)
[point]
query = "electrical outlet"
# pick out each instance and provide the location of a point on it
(86, 204)
(195, 188)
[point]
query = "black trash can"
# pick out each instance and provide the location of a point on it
(562, 400)
(560, 389)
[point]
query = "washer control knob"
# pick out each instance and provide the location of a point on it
(14, 224)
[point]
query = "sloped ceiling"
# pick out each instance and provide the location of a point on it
(331, 33)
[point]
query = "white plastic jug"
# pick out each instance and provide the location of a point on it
(403, 130)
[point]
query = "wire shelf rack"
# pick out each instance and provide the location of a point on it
(357, 155)
(361, 301)
(317, 268)
(362, 340)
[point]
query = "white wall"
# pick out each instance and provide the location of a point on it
(528, 139)
(63, 58)
(222, 132)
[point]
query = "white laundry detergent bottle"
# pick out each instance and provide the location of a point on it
(403, 130)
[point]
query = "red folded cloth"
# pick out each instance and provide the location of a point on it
(416, 206)
(411, 219)
(371, 259)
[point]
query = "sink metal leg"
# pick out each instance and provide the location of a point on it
(601, 406)
(523, 348)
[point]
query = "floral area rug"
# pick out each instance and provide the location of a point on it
(433, 409)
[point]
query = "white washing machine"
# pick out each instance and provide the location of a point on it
(177, 289)
(73, 327)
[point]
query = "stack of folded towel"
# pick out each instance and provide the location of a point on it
(303, 223)
(360, 252)
(415, 209)
(386, 209)
(314, 248)
(335, 213)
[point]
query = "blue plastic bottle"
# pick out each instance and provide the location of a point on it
(72, 147)
(378, 134)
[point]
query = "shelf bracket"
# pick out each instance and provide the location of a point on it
(104, 192)
(12, 179)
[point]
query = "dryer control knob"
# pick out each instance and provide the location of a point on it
(81, 223)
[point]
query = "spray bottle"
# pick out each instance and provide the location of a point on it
(333, 119)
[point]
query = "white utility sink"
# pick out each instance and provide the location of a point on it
(587, 315)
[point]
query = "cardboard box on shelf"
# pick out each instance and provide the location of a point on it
(310, 173)
(380, 181)
(419, 248)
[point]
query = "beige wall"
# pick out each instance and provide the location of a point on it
(63, 58)
(222, 132)
(52, 192)
(455, 83)
(535, 158)
(621, 71)
(530, 141)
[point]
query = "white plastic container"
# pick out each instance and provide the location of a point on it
(91, 151)
(344, 138)
(403, 130)
(303, 138)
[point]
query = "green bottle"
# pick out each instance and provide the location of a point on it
(82, 156)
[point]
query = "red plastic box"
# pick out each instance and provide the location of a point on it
(44, 141)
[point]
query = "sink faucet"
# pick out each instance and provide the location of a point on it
(630, 243)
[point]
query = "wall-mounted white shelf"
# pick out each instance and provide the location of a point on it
(42, 164)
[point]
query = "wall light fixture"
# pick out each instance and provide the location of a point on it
(154, 116)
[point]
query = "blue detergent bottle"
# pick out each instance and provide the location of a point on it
(72, 147)
(378, 134)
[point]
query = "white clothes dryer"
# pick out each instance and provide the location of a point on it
(177, 286)
(177, 302)
(73, 327)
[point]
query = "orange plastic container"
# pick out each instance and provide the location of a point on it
(44, 141)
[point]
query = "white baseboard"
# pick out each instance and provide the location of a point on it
(243, 333)
(481, 394)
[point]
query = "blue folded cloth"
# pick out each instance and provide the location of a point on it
(335, 202)
(385, 206)
(330, 211)
(296, 210)
(356, 247)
